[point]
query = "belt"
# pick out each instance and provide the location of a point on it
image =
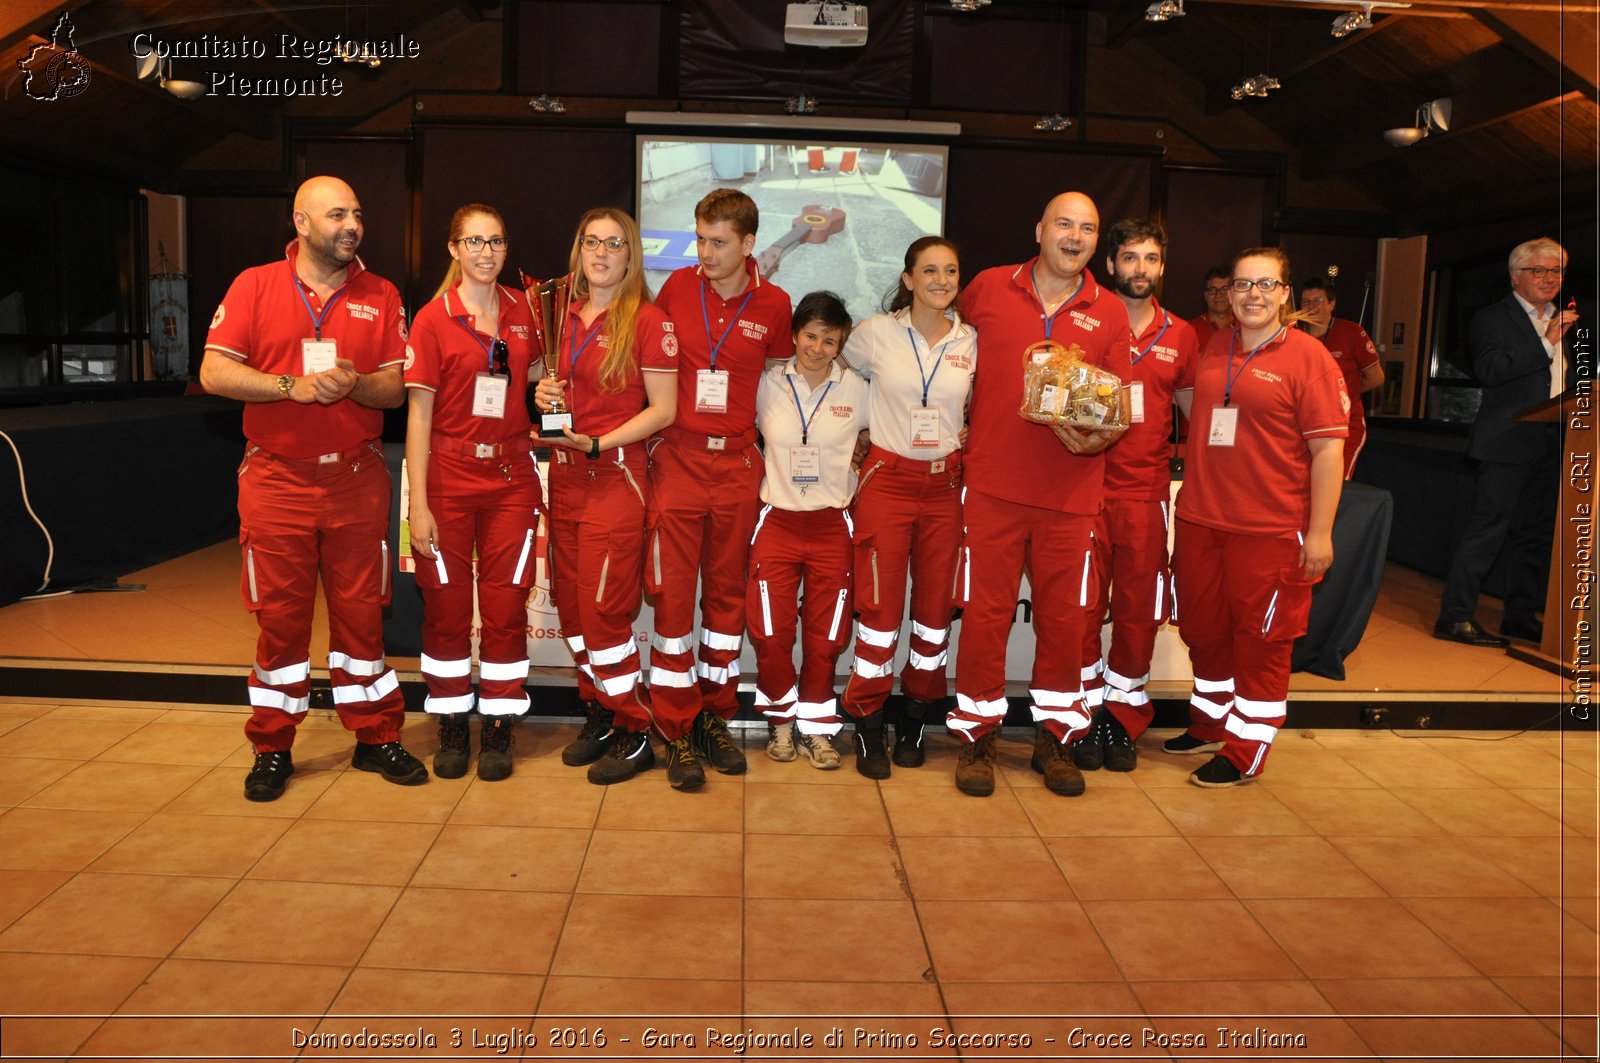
(484, 451)
(890, 460)
(568, 456)
(333, 457)
(698, 441)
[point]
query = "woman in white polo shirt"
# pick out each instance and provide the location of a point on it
(810, 411)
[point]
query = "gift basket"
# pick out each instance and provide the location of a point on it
(1059, 387)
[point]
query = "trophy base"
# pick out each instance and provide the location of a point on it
(551, 425)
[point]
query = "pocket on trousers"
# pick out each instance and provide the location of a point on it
(864, 545)
(249, 583)
(652, 555)
(1289, 608)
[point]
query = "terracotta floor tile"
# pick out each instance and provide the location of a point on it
(28, 708)
(21, 890)
(1285, 867)
(358, 853)
(1584, 909)
(954, 869)
(385, 991)
(1574, 805)
(566, 996)
(1511, 764)
(477, 930)
(171, 843)
(779, 808)
(102, 786)
(1100, 869)
(947, 812)
(941, 749)
(1479, 812)
(665, 930)
(333, 924)
(1551, 994)
(1548, 941)
(665, 862)
(646, 802)
(1313, 767)
(160, 742)
(529, 800)
(1232, 947)
(868, 1004)
(362, 795)
(133, 915)
(1100, 812)
(822, 866)
(1414, 766)
(220, 792)
(48, 839)
(1284, 1009)
(22, 777)
(1020, 776)
(1014, 941)
(1355, 813)
(1469, 1016)
(62, 738)
(1243, 810)
(785, 938)
(1062, 1018)
(763, 769)
(320, 744)
(1349, 938)
(1431, 867)
(38, 984)
(233, 716)
(536, 859)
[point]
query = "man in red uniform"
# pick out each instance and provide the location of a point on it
(1130, 535)
(314, 346)
(1032, 493)
(705, 475)
(1352, 348)
(1219, 315)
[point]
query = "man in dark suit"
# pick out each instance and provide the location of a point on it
(1517, 355)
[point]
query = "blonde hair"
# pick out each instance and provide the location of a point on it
(1524, 253)
(458, 224)
(622, 320)
(1286, 315)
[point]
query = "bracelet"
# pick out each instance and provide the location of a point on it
(594, 447)
(285, 385)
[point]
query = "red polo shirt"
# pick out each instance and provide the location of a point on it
(748, 330)
(261, 322)
(1353, 349)
(1287, 393)
(448, 350)
(1163, 359)
(1010, 458)
(655, 350)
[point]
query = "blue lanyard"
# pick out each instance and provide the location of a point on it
(576, 352)
(488, 348)
(1050, 321)
(316, 319)
(805, 422)
(938, 360)
(1166, 319)
(1227, 391)
(705, 315)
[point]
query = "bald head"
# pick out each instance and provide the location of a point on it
(327, 218)
(1068, 234)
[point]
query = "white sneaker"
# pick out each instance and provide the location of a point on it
(818, 750)
(780, 742)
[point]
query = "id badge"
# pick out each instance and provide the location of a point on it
(711, 391)
(805, 465)
(1224, 423)
(924, 427)
(489, 396)
(1136, 402)
(317, 355)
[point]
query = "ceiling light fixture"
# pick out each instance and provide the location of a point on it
(1431, 116)
(1255, 85)
(1052, 123)
(544, 103)
(801, 104)
(1164, 10)
(969, 5)
(1351, 21)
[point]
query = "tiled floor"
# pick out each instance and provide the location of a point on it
(1379, 895)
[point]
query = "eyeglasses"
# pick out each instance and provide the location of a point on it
(1541, 272)
(502, 357)
(475, 244)
(1266, 284)
(1216, 289)
(611, 243)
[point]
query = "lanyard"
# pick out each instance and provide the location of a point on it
(1227, 391)
(1050, 320)
(805, 422)
(316, 319)
(705, 315)
(488, 348)
(938, 360)
(575, 350)
(1166, 319)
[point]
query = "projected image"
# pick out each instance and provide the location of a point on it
(834, 215)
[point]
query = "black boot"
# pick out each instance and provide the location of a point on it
(455, 746)
(908, 751)
(494, 748)
(593, 741)
(872, 760)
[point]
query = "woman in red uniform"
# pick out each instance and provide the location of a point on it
(810, 411)
(474, 488)
(1255, 517)
(920, 358)
(617, 375)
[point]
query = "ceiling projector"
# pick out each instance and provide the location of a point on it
(825, 25)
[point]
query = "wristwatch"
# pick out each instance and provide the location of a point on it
(594, 447)
(285, 385)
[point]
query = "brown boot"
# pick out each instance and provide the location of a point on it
(975, 768)
(1051, 759)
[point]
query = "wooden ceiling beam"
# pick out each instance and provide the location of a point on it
(1570, 44)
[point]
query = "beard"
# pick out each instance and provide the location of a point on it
(1134, 287)
(329, 252)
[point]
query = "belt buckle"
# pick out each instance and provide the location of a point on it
(485, 450)
(936, 466)
(328, 459)
(716, 442)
